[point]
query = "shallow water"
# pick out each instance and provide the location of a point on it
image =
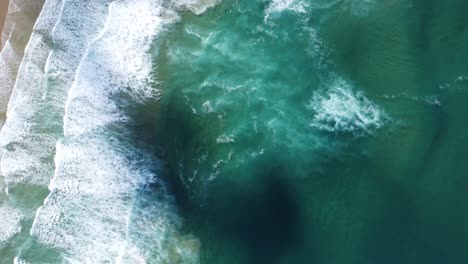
(282, 131)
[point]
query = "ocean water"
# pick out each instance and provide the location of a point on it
(235, 131)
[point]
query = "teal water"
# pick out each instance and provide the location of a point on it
(236, 131)
(262, 179)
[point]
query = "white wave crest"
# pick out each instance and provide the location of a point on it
(340, 109)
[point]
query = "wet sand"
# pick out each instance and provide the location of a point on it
(3, 13)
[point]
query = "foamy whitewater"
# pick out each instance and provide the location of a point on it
(339, 109)
(21, 162)
(99, 179)
(18, 25)
(64, 124)
(35, 53)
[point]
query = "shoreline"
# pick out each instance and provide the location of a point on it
(3, 14)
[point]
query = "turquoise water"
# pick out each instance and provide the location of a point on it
(235, 131)
(268, 180)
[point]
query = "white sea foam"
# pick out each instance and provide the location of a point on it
(340, 109)
(100, 209)
(9, 64)
(225, 139)
(19, 260)
(93, 202)
(279, 6)
(125, 34)
(10, 223)
(197, 7)
(16, 162)
(35, 113)
(152, 234)
(18, 26)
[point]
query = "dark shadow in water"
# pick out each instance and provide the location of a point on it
(402, 233)
(421, 14)
(242, 219)
(390, 238)
(261, 219)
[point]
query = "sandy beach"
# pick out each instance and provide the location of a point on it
(3, 13)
